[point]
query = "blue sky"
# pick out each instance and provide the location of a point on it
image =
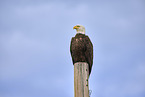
(35, 40)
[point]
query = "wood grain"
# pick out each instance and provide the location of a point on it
(81, 75)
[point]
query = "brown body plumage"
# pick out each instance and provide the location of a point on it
(81, 49)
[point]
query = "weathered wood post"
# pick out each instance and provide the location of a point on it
(81, 76)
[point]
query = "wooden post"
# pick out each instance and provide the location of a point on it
(81, 76)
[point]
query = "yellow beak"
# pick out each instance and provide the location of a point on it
(75, 27)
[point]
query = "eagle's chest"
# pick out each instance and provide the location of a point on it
(79, 41)
(79, 44)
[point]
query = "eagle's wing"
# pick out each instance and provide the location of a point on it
(89, 53)
(71, 49)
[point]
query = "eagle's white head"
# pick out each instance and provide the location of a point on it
(79, 29)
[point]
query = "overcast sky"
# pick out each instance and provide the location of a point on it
(35, 40)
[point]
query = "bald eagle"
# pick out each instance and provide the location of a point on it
(81, 47)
